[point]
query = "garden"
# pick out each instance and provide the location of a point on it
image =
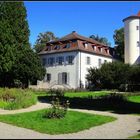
(59, 119)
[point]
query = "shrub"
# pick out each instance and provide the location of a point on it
(57, 110)
(113, 97)
(16, 98)
(113, 75)
(56, 92)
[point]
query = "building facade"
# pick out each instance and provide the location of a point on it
(132, 39)
(67, 60)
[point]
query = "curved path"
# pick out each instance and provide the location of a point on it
(122, 128)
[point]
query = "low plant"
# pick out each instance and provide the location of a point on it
(113, 97)
(56, 92)
(57, 111)
(16, 98)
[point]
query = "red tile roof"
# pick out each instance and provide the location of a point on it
(138, 14)
(132, 17)
(73, 36)
(75, 46)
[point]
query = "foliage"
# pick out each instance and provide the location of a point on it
(18, 62)
(73, 122)
(57, 111)
(114, 74)
(119, 42)
(113, 97)
(29, 67)
(134, 74)
(93, 78)
(16, 98)
(42, 39)
(101, 39)
(86, 94)
(59, 105)
(56, 93)
(110, 75)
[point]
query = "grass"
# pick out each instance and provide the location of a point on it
(16, 98)
(135, 137)
(72, 122)
(86, 94)
(135, 98)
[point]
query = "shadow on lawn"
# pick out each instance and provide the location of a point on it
(120, 106)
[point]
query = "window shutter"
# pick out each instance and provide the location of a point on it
(59, 78)
(68, 78)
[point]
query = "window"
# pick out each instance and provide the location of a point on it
(56, 47)
(88, 61)
(48, 48)
(48, 77)
(51, 61)
(100, 49)
(60, 60)
(94, 48)
(63, 78)
(44, 61)
(99, 62)
(85, 45)
(138, 44)
(106, 50)
(67, 45)
(69, 59)
(137, 27)
(105, 61)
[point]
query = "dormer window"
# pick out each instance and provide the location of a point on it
(94, 48)
(56, 47)
(67, 46)
(48, 48)
(85, 45)
(101, 50)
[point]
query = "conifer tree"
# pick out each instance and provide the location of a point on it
(15, 47)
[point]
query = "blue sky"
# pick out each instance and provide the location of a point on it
(86, 18)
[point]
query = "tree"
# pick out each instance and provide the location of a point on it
(93, 77)
(14, 45)
(101, 39)
(42, 39)
(28, 67)
(110, 75)
(119, 42)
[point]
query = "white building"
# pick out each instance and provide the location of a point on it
(132, 39)
(67, 60)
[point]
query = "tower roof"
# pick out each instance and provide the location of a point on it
(138, 14)
(132, 17)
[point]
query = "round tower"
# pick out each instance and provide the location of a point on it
(132, 39)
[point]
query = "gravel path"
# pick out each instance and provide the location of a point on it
(122, 128)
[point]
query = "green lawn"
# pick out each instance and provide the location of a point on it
(73, 121)
(86, 94)
(135, 98)
(135, 137)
